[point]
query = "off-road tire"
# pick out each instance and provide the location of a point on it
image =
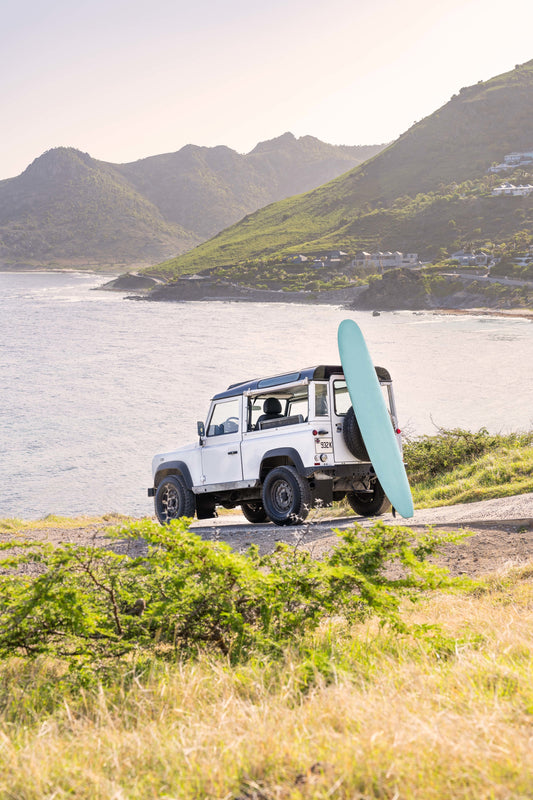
(173, 500)
(353, 437)
(369, 504)
(254, 512)
(286, 496)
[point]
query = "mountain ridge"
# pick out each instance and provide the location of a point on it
(68, 208)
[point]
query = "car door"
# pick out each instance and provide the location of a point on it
(221, 450)
(340, 403)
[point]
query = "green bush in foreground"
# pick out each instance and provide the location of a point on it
(185, 595)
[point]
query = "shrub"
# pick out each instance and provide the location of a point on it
(185, 594)
(428, 456)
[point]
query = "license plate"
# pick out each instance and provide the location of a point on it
(324, 446)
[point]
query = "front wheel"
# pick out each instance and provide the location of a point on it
(286, 496)
(369, 504)
(173, 500)
(254, 512)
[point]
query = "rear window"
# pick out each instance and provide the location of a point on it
(341, 398)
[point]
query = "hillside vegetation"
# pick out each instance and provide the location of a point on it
(460, 466)
(68, 208)
(427, 192)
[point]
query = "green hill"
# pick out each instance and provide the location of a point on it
(70, 209)
(428, 190)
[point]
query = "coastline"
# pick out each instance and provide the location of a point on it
(517, 313)
(196, 289)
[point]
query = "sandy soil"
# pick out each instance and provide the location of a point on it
(502, 533)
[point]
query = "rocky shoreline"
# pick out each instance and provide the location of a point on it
(398, 291)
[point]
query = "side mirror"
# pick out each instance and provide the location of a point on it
(200, 427)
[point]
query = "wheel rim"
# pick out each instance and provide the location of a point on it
(170, 502)
(365, 498)
(282, 496)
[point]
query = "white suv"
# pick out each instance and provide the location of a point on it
(276, 447)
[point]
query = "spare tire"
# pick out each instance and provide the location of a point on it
(353, 437)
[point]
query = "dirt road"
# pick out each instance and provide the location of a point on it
(503, 533)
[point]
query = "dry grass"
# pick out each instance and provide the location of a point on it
(390, 717)
(14, 525)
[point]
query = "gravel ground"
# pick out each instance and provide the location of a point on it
(502, 533)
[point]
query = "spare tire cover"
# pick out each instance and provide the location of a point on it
(352, 436)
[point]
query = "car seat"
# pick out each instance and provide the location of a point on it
(271, 410)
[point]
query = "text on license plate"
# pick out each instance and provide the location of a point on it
(324, 445)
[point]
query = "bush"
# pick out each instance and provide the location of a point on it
(429, 456)
(185, 594)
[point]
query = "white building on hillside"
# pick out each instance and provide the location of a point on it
(385, 260)
(511, 189)
(513, 160)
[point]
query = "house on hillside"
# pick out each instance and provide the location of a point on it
(523, 260)
(336, 255)
(513, 160)
(518, 159)
(466, 258)
(385, 260)
(510, 189)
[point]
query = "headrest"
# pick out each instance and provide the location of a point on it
(272, 406)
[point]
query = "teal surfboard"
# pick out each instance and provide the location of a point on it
(373, 417)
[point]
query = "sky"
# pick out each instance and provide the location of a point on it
(127, 79)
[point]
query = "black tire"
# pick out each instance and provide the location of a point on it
(254, 512)
(369, 504)
(286, 496)
(173, 500)
(352, 436)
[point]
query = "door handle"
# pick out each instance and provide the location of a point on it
(232, 452)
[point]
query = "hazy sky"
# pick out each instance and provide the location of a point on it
(123, 80)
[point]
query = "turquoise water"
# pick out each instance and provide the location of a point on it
(92, 385)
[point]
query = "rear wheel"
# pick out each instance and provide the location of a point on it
(369, 504)
(286, 496)
(254, 512)
(173, 500)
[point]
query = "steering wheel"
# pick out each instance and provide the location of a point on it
(232, 423)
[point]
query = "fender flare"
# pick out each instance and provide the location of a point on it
(171, 468)
(285, 452)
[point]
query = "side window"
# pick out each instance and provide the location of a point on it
(342, 398)
(299, 406)
(288, 407)
(225, 418)
(321, 399)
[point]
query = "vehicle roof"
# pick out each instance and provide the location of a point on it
(320, 373)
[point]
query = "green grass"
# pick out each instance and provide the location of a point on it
(355, 711)
(504, 473)
(459, 466)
